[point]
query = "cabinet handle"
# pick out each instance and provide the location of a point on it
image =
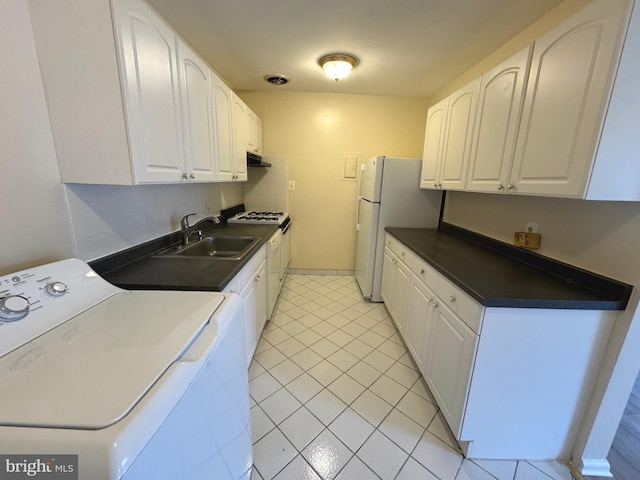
(192, 176)
(429, 301)
(435, 185)
(184, 175)
(394, 260)
(511, 186)
(257, 279)
(402, 254)
(435, 304)
(452, 298)
(422, 271)
(500, 186)
(440, 185)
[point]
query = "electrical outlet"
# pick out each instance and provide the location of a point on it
(292, 185)
(532, 227)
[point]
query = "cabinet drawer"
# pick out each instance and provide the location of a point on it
(403, 253)
(425, 272)
(391, 243)
(460, 303)
(247, 272)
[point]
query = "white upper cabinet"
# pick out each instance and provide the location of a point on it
(149, 57)
(222, 100)
(198, 115)
(258, 131)
(457, 146)
(557, 119)
(568, 92)
(129, 101)
(254, 136)
(448, 140)
(240, 138)
(433, 144)
(499, 107)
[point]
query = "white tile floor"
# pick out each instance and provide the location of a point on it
(334, 395)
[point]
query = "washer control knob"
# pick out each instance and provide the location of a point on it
(55, 289)
(13, 307)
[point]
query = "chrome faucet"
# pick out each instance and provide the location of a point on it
(187, 230)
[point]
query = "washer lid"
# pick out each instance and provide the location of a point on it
(91, 371)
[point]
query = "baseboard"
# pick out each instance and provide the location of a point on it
(588, 469)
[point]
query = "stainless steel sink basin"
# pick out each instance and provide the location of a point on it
(220, 247)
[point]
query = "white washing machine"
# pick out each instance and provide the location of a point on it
(137, 384)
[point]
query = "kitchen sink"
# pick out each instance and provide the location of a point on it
(220, 247)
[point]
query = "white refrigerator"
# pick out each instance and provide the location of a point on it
(389, 195)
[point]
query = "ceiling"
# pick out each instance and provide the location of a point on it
(405, 47)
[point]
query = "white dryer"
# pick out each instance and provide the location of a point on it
(137, 384)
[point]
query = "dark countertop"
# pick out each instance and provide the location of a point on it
(138, 269)
(499, 275)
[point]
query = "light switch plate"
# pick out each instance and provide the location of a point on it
(350, 166)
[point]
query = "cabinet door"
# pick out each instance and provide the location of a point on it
(240, 133)
(459, 130)
(254, 295)
(197, 115)
(450, 356)
(388, 274)
(396, 277)
(567, 92)
(258, 129)
(254, 126)
(499, 107)
(251, 131)
(151, 88)
(223, 129)
(400, 294)
(433, 144)
(419, 319)
(260, 279)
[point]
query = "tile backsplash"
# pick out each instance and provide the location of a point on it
(266, 188)
(105, 218)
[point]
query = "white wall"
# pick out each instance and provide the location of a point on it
(598, 236)
(315, 131)
(33, 213)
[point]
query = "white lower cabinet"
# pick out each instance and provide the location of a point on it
(396, 278)
(511, 382)
(251, 284)
(451, 349)
(420, 311)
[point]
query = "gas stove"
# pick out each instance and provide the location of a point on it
(257, 217)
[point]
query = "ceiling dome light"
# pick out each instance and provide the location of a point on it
(276, 79)
(337, 65)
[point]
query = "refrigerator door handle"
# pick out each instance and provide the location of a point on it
(363, 167)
